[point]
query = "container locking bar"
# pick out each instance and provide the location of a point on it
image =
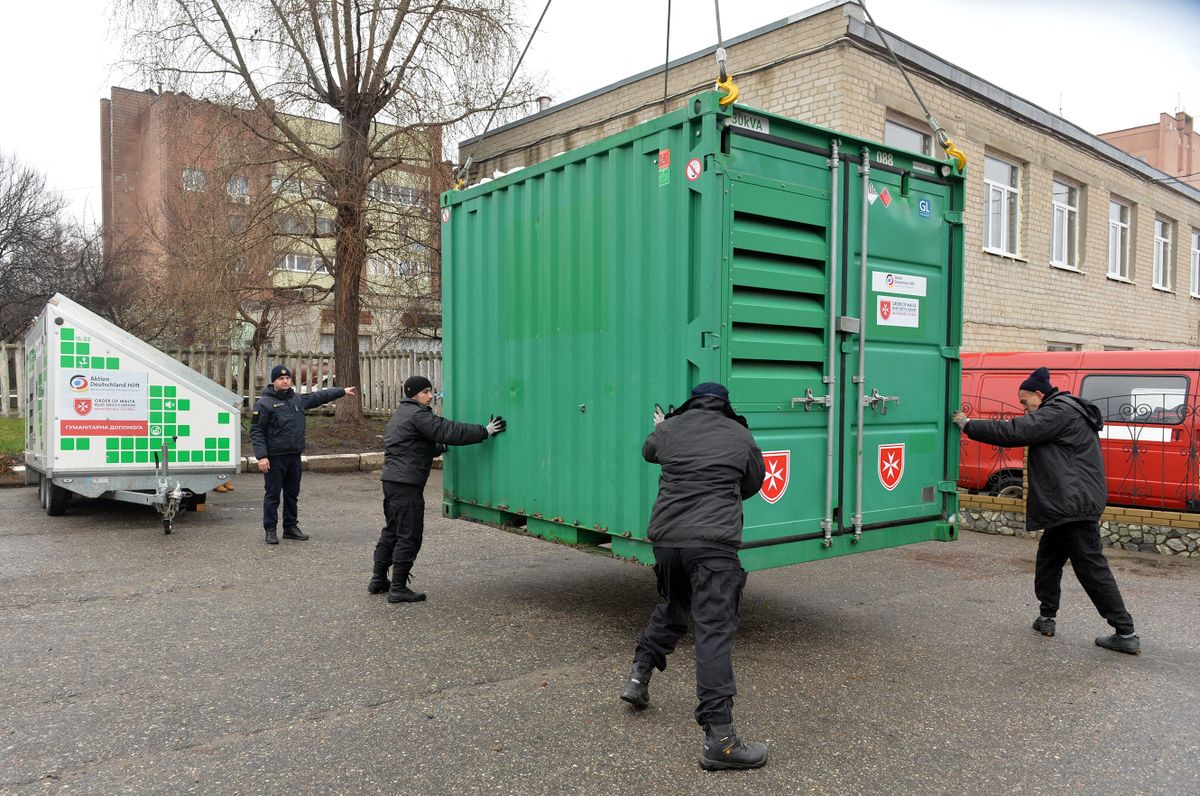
(835, 325)
(809, 400)
(879, 402)
(864, 171)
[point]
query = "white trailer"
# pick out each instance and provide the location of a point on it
(110, 416)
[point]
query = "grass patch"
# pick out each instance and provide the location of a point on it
(12, 436)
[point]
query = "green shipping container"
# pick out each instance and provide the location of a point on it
(712, 244)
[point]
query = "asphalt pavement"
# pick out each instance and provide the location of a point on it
(208, 662)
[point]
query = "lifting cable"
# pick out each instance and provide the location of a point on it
(462, 172)
(943, 138)
(725, 83)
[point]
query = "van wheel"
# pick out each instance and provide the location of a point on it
(56, 500)
(43, 492)
(1009, 486)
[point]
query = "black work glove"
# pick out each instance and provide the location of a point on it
(495, 425)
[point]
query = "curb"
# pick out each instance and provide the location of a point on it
(332, 463)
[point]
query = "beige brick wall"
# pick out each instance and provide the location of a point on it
(813, 71)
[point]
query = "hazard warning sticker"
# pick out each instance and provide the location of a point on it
(873, 194)
(694, 169)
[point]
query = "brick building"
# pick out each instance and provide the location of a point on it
(203, 207)
(1083, 246)
(1172, 145)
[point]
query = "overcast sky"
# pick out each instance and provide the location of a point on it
(1104, 64)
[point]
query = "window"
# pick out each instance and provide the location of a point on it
(905, 137)
(1162, 254)
(1064, 229)
(392, 194)
(1053, 346)
(1138, 398)
(1000, 181)
(1118, 348)
(237, 225)
(1196, 263)
(290, 224)
(1118, 240)
(326, 226)
(194, 179)
(239, 189)
(303, 263)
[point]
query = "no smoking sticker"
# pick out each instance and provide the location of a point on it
(694, 169)
(445, 215)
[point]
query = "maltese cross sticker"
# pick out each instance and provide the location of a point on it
(778, 472)
(891, 465)
(83, 406)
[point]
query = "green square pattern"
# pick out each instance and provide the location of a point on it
(127, 457)
(155, 403)
(141, 457)
(223, 442)
(183, 431)
(169, 391)
(210, 456)
(66, 347)
(210, 443)
(112, 443)
(114, 363)
(68, 444)
(156, 392)
(127, 443)
(222, 418)
(83, 348)
(185, 404)
(83, 362)
(156, 417)
(141, 443)
(67, 333)
(83, 444)
(169, 404)
(223, 456)
(112, 457)
(169, 431)
(169, 417)
(66, 362)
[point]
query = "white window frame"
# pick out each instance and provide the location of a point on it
(1195, 263)
(194, 180)
(925, 138)
(1162, 252)
(1064, 226)
(1118, 240)
(1054, 345)
(238, 187)
(1006, 239)
(302, 263)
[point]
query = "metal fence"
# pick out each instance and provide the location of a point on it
(246, 373)
(1149, 444)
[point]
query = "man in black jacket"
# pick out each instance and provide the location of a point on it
(413, 437)
(277, 431)
(1067, 494)
(710, 464)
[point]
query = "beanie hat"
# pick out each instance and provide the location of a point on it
(1038, 381)
(280, 370)
(415, 384)
(711, 388)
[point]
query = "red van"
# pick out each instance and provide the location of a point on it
(1149, 400)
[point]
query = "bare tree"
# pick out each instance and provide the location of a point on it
(41, 252)
(386, 71)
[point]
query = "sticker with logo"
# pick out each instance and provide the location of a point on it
(775, 482)
(891, 465)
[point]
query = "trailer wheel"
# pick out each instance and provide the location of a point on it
(166, 526)
(56, 499)
(1010, 486)
(43, 492)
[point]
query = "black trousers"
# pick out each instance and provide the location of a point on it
(404, 528)
(284, 476)
(706, 583)
(1079, 542)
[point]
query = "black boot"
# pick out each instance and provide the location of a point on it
(294, 533)
(400, 593)
(723, 749)
(637, 687)
(379, 582)
(272, 537)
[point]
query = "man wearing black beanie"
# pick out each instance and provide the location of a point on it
(1067, 495)
(413, 437)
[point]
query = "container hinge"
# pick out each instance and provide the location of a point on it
(710, 340)
(879, 402)
(950, 352)
(947, 487)
(953, 216)
(809, 400)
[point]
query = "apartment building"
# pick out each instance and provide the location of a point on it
(202, 203)
(1071, 243)
(1171, 146)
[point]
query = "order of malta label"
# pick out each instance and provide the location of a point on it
(902, 284)
(897, 311)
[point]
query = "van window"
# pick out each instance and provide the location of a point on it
(1138, 398)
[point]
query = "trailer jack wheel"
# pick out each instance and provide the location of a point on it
(167, 526)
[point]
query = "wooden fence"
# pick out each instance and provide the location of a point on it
(246, 373)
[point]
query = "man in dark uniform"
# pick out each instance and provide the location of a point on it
(277, 431)
(413, 437)
(710, 464)
(1067, 494)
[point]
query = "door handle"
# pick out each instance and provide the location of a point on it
(809, 400)
(879, 402)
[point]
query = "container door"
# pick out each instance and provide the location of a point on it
(778, 297)
(897, 472)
